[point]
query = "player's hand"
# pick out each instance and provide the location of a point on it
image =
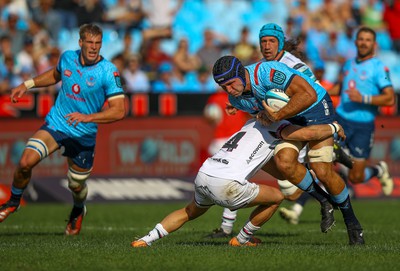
(230, 109)
(262, 118)
(270, 112)
(17, 93)
(354, 95)
(340, 135)
(76, 117)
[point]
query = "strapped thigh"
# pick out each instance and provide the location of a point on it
(38, 146)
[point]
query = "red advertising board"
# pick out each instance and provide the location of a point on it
(165, 147)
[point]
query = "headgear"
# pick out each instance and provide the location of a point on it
(227, 68)
(273, 30)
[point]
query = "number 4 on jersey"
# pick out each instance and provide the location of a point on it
(232, 142)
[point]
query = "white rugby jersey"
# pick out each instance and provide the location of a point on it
(245, 152)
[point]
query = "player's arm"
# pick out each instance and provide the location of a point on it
(313, 132)
(302, 95)
(45, 79)
(114, 112)
(386, 98)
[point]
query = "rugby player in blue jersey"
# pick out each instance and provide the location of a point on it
(309, 105)
(88, 82)
(365, 86)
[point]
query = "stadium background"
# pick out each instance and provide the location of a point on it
(155, 152)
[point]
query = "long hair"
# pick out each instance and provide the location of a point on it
(292, 45)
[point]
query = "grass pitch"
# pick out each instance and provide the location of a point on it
(32, 239)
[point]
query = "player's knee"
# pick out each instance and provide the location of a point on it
(324, 155)
(286, 161)
(25, 165)
(356, 177)
(77, 180)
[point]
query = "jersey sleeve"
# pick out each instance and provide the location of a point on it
(243, 104)
(112, 82)
(382, 76)
(275, 75)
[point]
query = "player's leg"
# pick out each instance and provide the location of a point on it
(320, 156)
(80, 163)
(226, 227)
(360, 146)
(170, 223)
(267, 201)
(286, 161)
(38, 147)
(77, 177)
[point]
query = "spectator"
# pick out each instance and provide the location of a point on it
(168, 81)
(136, 79)
(244, 48)
(16, 35)
(183, 60)
(49, 17)
(153, 56)
(212, 47)
(125, 15)
(67, 9)
(203, 82)
(90, 11)
(391, 15)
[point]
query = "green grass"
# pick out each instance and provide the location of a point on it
(32, 239)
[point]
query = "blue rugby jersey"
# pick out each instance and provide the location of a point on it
(265, 76)
(369, 77)
(84, 89)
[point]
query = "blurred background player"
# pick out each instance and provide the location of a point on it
(88, 81)
(365, 86)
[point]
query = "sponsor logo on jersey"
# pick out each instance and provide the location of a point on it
(117, 78)
(255, 152)
(67, 73)
(76, 88)
(220, 160)
(277, 77)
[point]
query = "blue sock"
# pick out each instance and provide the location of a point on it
(343, 202)
(16, 194)
(369, 173)
(312, 188)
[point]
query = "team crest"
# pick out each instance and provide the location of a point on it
(117, 78)
(277, 77)
(90, 82)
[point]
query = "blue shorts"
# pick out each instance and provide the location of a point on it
(81, 155)
(359, 137)
(321, 113)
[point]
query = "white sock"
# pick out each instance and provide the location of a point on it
(247, 232)
(228, 219)
(155, 234)
(297, 208)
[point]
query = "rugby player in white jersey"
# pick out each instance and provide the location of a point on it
(223, 178)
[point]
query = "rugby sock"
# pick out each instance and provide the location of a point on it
(342, 200)
(247, 232)
(16, 195)
(157, 233)
(304, 197)
(311, 187)
(228, 219)
(370, 172)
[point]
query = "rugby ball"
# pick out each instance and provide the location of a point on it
(276, 99)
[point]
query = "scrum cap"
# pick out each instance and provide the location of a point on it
(227, 68)
(273, 30)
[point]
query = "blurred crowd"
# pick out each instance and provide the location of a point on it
(170, 45)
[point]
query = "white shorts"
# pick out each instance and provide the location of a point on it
(231, 194)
